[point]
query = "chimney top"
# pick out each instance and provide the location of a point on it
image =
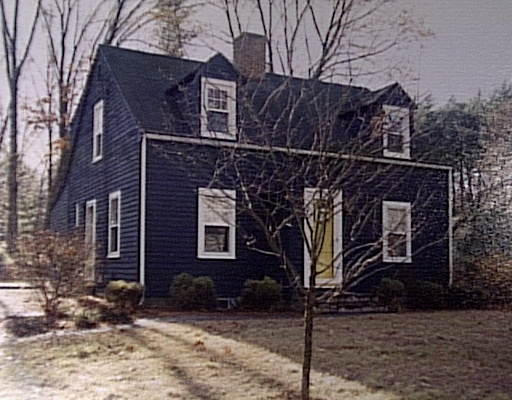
(249, 54)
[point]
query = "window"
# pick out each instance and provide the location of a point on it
(216, 223)
(114, 224)
(396, 226)
(218, 109)
(396, 132)
(323, 233)
(97, 132)
(90, 238)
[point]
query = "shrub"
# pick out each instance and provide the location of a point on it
(489, 280)
(189, 293)
(464, 297)
(124, 295)
(106, 311)
(86, 319)
(260, 295)
(425, 295)
(54, 264)
(390, 293)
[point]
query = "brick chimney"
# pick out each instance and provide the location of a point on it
(249, 54)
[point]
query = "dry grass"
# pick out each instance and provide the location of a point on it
(444, 355)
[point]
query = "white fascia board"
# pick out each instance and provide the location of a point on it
(152, 135)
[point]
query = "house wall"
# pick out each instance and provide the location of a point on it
(171, 228)
(175, 171)
(117, 170)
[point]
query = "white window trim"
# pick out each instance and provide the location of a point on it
(91, 204)
(97, 130)
(406, 135)
(408, 234)
(230, 87)
(77, 215)
(112, 196)
(309, 194)
(230, 195)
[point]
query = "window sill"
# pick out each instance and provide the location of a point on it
(113, 256)
(216, 256)
(219, 135)
(401, 260)
(391, 154)
(95, 160)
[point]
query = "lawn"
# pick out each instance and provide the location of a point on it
(443, 355)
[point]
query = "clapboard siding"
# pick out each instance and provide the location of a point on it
(117, 170)
(171, 225)
(171, 230)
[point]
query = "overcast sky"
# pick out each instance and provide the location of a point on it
(470, 51)
(471, 47)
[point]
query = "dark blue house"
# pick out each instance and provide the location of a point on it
(145, 144)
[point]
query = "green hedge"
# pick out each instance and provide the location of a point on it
(391, 293)
(124, 295)
(189, 293)
(260, 295)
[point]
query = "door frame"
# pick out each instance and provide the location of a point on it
(309, 194)
(90, 269)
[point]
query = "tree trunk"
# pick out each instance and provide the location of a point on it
(12, 174)
(308, 334)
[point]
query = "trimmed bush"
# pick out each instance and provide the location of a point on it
(124, 295)
(465, 297)
(189, 293)
(86, 319)
(425, 295)
(260, 295)
(391, 293)
(489, 281)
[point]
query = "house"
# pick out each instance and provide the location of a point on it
(136, 183)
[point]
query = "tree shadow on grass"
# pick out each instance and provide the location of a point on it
(204, 391)
(443, 355)
(26, 326)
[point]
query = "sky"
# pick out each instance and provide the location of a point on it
(470, 51)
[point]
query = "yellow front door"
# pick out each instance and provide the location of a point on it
(325, 227)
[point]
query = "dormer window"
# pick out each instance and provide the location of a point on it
(396, 132)
(218, 109)
(97, 131)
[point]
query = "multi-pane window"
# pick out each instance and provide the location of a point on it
(114, 224)
(397, 246)
(396, 132)
(216, 223)
(218, 111)
(90, 238)
(97, 134)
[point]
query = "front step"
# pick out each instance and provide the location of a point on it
(350, 302)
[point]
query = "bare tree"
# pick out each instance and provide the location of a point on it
(331, 38)
(316, 141)
(305, 174)
(15, 54)
(73, 31)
